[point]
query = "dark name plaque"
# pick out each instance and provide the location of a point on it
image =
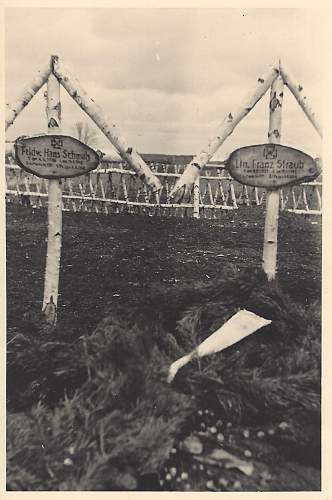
(271, 166)
(55, 156)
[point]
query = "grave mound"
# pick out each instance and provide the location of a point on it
(247, 418)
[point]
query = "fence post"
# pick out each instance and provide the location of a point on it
(272, 195)
(196, 213)
(54, 211)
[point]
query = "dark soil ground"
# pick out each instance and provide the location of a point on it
(114, 259)
(111, 258)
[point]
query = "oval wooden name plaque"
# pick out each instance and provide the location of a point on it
(55, 156)
(271, 166)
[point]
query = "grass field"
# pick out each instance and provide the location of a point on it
(88, 406)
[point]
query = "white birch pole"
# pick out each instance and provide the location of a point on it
(272, 196)
(196, 213)
(14, 109)
(127, 152)
(297, 91)
(54, 210)
(10, 149)
(184, 185)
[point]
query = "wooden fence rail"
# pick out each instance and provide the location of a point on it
(116, 189)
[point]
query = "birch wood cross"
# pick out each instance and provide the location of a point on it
(88, 105)
(273, 196)
(183, 187)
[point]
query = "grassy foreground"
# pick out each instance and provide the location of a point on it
(88, 403)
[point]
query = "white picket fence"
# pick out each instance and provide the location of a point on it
(115, 188)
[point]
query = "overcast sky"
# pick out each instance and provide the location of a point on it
(167, 77)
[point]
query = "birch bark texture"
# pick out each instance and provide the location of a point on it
(14, 109)
(270, 247)
(196, 211)
(127, 152)
(54, 211)
(183, 187)
(298, 92)
(10, 149)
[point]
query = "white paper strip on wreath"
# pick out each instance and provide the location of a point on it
(239, 326)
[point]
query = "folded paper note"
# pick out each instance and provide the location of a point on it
(239, 326)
